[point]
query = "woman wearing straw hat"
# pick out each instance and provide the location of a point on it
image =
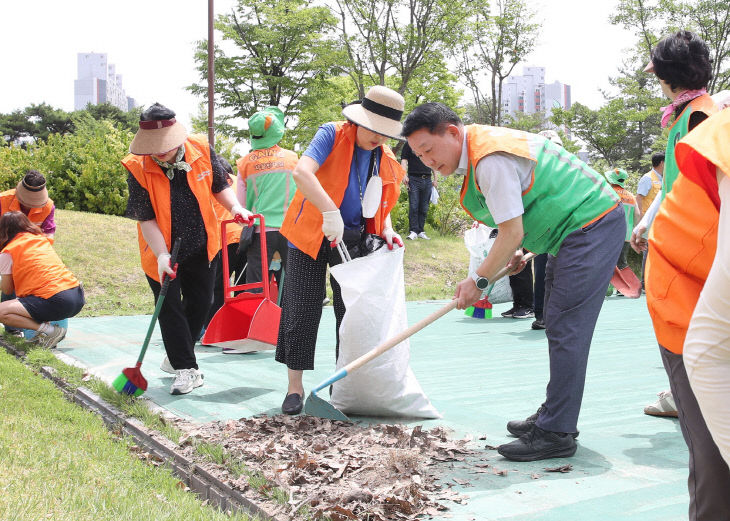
(172, 177)
(348, 180)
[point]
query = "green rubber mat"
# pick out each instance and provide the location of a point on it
(479, 374)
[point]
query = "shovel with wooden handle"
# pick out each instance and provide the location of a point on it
(316, 406)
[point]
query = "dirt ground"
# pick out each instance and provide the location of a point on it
(339, 470)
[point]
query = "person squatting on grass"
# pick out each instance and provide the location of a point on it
(31, 198)
(172, 178)
(336, 176)
(46, 290)
(682, 247)
(543, 198)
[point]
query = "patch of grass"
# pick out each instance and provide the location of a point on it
(71, 468)
(433, 268)
(212, 452)
(103, 252)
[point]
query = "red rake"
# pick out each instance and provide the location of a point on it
(131, 381)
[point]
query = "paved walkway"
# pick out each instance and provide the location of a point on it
(479, 374)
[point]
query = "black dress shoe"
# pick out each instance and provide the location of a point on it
(539, 444)
(519, 427)
(292, 404)
(538, 324)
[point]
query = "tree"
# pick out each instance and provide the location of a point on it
(495, 43)
(35, 123)
(396, 40)
(279, 48)
(128, 120)
(604, 130)
(710, 19)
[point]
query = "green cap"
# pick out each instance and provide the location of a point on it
(617, 176)
(266, 128)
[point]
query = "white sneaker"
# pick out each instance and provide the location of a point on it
(167, 366)
(664, 406)
(423, 235)
(49, 340)
(186, 380)
(412, 236)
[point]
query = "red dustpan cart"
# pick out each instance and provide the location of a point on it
(249, 321)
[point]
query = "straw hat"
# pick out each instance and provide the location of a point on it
(266, 128)
(32, 196)
(617, 176)
(159, 132)
(380, 111)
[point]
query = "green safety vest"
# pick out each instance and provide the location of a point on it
(565, 195)
(677, 131)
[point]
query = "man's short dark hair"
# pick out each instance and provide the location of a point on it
(434, 117)
(657, 159)
(34, 178)
(683, 61)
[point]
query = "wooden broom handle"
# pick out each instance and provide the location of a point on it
(415, 328)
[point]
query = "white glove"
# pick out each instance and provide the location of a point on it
(163, 266)
(332, 226)
(392, 238)
(243, 215)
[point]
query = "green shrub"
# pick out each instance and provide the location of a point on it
(83, 169)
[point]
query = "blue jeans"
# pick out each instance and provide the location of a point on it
(575, 288)
(419, 198)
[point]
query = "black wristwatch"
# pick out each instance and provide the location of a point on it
(481, 282)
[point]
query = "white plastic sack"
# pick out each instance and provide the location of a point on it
(374, 295)
(434, 195)
(478, 243)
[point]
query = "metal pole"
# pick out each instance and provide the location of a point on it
(211, 76)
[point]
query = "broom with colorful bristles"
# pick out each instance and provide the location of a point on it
(480, 309)
(131, 381)
(483, 308)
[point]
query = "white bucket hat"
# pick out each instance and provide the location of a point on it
(380, 111)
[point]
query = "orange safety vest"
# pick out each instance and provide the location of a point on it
(233, 231)
(9, 203)
(200, 179)
(303, 221)
(37, 269)
(683, 237)
(656, 187)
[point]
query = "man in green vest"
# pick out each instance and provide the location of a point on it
(544, 199)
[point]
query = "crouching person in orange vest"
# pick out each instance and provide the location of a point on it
(335, 198)
(31, 198)
(172, 177)
(46, 290)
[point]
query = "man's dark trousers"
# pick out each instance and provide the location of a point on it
(419, 199)
(575, 288)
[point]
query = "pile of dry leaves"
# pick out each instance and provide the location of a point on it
(340, 470)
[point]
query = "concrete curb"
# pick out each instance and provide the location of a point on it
(202, 483)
